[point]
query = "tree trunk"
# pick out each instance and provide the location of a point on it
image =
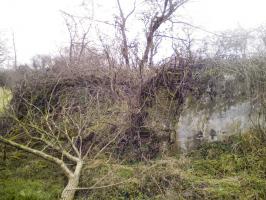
(72, 185)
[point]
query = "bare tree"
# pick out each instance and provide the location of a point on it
(232, 44)
(15, 50)
(108, 53)
(3, 52)
(159, 12)
(78, 31)
(66, 138)
(166, 9)
(154, 49)
(41, 61)
(121, 21)
(183, 47)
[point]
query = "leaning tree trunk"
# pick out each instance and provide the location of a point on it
(72, 185)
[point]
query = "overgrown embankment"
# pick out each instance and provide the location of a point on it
(136, 128)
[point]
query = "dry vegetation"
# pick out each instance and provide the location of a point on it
(101, 123)
(122, 147)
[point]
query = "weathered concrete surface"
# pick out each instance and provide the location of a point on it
(195, 126)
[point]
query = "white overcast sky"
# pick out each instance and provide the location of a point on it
(39, 28)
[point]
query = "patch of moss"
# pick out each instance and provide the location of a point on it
(125, 172)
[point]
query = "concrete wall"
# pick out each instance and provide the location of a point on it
(194, 126)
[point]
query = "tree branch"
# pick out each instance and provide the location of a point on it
(41, 154)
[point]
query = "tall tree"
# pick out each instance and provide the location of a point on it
(121, 21)
(163, 13)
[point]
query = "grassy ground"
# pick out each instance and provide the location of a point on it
(25, 177)
(233, 169)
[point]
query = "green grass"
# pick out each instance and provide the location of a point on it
(25, 177)
(21, 189)
(232, 169)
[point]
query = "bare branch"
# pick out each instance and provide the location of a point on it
(41, 154)
(122, 29)
(155, 22)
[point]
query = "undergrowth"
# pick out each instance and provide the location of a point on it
(231, 169)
